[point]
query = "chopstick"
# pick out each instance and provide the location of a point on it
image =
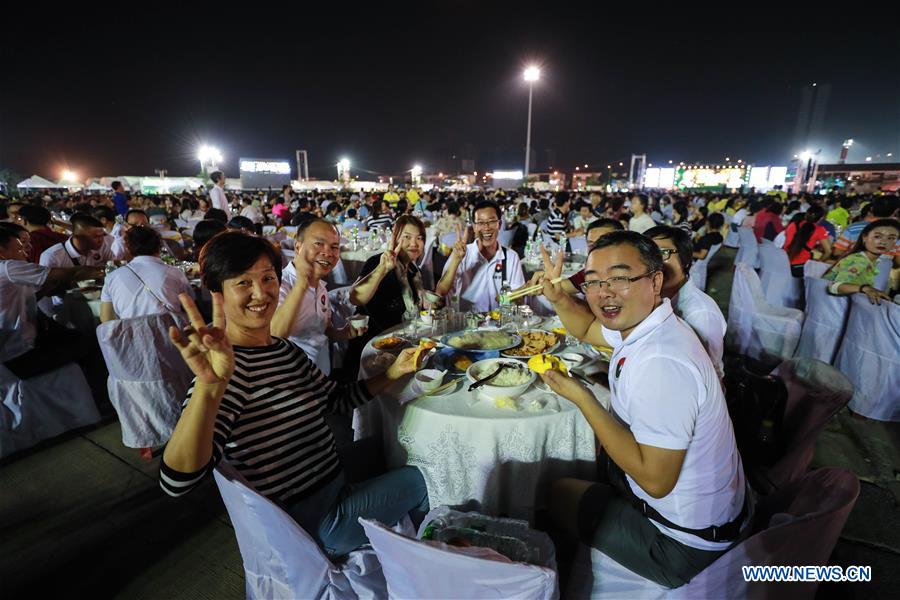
(446, 386)
(532, 289)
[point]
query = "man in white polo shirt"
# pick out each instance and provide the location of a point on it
(478, 271)
(688, 301)
(675, 500)
(217, 196)
(146, 285)
(27, 349)
(304, 312)
(86, 247)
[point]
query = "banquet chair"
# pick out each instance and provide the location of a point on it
(42, 407)
(281, 560)
(815, 393)
(338, 275)
(426, 264)
(148, 379)
(290, 231)
(532, 229)
(815, 268)
(505, 237)
(424, 569)
(824, 323)
(699, 268)
(756, 328)
(268, 230)
(870, 357)
(732, 239)
(798, 525)
(448, 239)
(883, 264)
(748, 250)
(782, 288)
(578, 245)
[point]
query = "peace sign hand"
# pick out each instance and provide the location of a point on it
(206, 349)
(389, 258)
(459, 248)
(552, 270)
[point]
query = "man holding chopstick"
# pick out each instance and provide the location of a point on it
(675, 499)
(477, 272)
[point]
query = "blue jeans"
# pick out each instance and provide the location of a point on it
(330, 514)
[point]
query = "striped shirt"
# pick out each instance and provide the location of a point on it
(271, 424)
(557, 223)
(383, 220)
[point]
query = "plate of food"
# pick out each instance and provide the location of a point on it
(534, 341)
(457, 361)
(389, 343)
(481, 340)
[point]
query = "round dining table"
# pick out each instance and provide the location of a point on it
(498, 460)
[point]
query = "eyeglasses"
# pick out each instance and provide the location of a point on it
(490, 223)
(666, 252)
(620, 283)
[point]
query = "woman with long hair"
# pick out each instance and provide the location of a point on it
(800, 240)
(390, 283)
(856, 272)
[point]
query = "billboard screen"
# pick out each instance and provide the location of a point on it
(264, 173)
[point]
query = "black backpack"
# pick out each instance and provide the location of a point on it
(756, 403)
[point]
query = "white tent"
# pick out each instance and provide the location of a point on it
(97, 187)
(36, 182)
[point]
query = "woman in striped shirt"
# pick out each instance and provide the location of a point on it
(259, 403)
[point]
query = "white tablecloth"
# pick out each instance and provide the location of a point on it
(469, 450)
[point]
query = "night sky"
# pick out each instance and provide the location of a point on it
(388, 92)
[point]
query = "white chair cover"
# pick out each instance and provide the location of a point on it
(825, 321)
(578, 244)
(416, 569)
(148, 379)
(870, 357)
(426, 264)
(43, 407)
(341, 311)
(815, 268)
(699, 268)
(505, 237)
(782, 288)
(181, 224)
(755, 328)
(281, 560)
(338, 275)
(532, 229)
(884, 272)
(801, 525)
(448, 239)
(748, 249)
(268, 230)
(732, 239)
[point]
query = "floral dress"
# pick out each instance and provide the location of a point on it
(855, 269)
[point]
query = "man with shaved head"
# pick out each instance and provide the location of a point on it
(304, 312)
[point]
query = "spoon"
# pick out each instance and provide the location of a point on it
(481, 382)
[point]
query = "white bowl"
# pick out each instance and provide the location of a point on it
(571, 359)
(487, 366)
(429, 379)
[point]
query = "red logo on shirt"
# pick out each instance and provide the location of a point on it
(619, 366)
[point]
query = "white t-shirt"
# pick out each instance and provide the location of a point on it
(252, 213)
(665, 390)
(19, 280)
(739, 216)
(218, 200)
(313, 318)
(702, 313)
(641, 223)
(114, 244)
(131, 299)
(479, 280)
(66, 256)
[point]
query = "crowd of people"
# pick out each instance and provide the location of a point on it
(260, 326)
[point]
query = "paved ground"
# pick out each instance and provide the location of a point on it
(84, 516)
